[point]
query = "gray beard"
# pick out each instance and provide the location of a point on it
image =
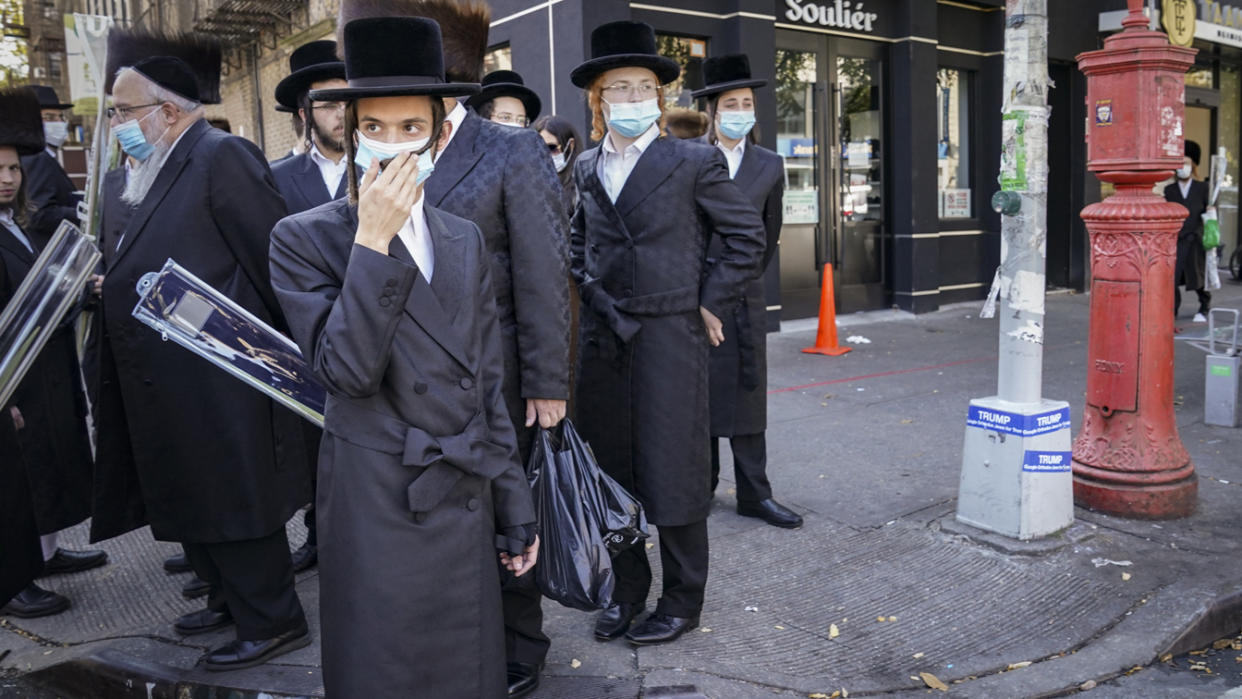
(143, 176)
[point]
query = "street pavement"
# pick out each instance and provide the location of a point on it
(880, 593)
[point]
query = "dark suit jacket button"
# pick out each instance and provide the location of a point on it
(390, 282)
(467, 383)
(385, 301)
(148, 382)
(420, 388)
(472, 504)
(419, 517)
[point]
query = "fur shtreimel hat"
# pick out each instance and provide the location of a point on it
(621, 44)
(309, 63)
(724, 73)
(685, 123)
(506, 83)
(21, 122)
(200, 52)
(393, 56)
(463, 25)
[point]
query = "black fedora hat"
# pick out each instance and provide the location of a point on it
(724, 73)
(309, 63)
(21, 125)
(506, 83)
(48, 99)
(391, 57)
(621, 44)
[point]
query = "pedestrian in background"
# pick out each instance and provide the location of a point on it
(48, 409)
(1191, 268)
(651, 310)
(391, 302)
(563, 145)
(506, 100)
(739, 369)
(50, 191)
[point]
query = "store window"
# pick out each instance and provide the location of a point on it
(795, 134)
(689, 52)
(1229, 135)
(1200, 76)
(499, 58)
(953, 143)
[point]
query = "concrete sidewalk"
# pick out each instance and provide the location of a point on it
(867, 447)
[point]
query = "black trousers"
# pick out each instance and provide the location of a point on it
(683, 555)
(253, 580)
(525, 641)
(1205, 299)
(750, 466)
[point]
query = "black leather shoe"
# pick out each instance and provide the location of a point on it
(202, 621)
(660, 628)
(305, 557)
(73, 561)
(771, 512)
(523, 679)
(194, 588)
(615, 620)
(177, 564)
(34, 602)
(242, 654)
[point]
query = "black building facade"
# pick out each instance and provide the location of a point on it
(887, 113)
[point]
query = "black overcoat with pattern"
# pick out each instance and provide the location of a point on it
(642, 272)
(55, 446)
(502, 180)
(739, 367)
(182, 445)
(418, 469)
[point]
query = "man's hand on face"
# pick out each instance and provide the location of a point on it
(384, 200)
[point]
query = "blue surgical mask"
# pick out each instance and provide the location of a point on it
(368, 149)
(632, 119)
(133, 141)
(736, 125)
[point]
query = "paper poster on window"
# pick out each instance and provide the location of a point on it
(802, 206)
(858, 154)
(955, 203)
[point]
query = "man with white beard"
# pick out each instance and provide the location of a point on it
(199, 456)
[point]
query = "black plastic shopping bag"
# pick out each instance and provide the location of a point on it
(618, 515)
(574, 568)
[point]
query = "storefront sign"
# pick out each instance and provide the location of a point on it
(1214, 22)
(796, 147)
(1179, 21)
(841, 14)
(802, 206)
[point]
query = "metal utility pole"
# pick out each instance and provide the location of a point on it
(1016, 477)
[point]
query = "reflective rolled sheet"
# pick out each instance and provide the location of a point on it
(184, 309)
(48, 293)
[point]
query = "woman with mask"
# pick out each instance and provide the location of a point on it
(506, 100)
(739, 370)
(651, 308)
(562, 139)
(419, 484)
(1191, 266)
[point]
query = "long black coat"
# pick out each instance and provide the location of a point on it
(21, 559)
(418, 468)
(299, 182)
(739, 366)
(51, 194)
(1191, 257)
(502, 179)
(182, 445)
(642, 272)
(55, 446)
(116, 216)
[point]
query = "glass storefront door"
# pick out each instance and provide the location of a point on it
(830, 91)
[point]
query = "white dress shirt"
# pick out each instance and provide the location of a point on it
(455, 117)
(417, 240)
(615, 168)
(6, 218)
(733, 155)
(331, 172)
(1184, 187)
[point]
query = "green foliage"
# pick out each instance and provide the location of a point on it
(14, 52)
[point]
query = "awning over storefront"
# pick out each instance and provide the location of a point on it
(240, 22)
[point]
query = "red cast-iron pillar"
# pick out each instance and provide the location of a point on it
(1128, 458)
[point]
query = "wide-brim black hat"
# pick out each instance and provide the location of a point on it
(507, 83)
(393, 57)
(48, 99)
(1192, 151)
(309, 63)
(724, 73)
(622, 44)
(200, 51)
(464, 26)
(21, 124)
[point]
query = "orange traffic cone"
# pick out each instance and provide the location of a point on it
(826, 337)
